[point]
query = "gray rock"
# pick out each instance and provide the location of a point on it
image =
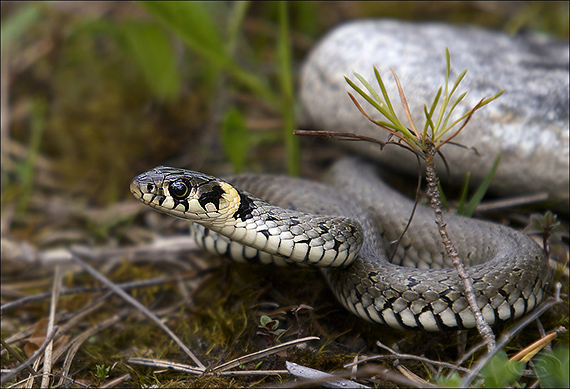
(528, 125)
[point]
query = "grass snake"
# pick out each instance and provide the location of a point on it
(283, 220)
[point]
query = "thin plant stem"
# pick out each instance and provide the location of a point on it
(48, 361)
(395, 355)
(7, 377)
(17, 356)
(433, 192)
(75, 253)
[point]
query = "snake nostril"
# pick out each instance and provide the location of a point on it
(149, 187)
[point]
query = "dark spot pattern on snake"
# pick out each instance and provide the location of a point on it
(212, 196)
(246, 206)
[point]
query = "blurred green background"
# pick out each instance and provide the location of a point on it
(96, 92)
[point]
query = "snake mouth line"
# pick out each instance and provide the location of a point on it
(135, 190)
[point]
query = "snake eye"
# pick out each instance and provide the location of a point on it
(179, 189)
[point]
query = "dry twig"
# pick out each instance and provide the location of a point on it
(262, 353)
(396, 355)
(508, 335)
(51, 322)
(138, 305)
(7, 377)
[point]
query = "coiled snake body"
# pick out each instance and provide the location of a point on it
(419, 289)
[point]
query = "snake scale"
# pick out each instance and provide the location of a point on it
(345, 227)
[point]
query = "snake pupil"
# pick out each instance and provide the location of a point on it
(179, 189)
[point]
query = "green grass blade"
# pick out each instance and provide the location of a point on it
(389, 125)
(373, 95)
(235, 23)
(284, 51)
(394, 124)
(26, 170)
(444, 127)
(389, 112)
(386, 108)
(482, 189)
(17, 23)
(445, 99)
(235, 138)
(370, 89)
(192, 23)
(286, 80)
(488, 100)
(463, 195)
(390, 108)
(485, 102)
(431, 111)
(151, 50)
(364, 95)
(447, 66)
(429, 122)
(457, 82)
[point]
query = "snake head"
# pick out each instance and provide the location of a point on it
(186, 194)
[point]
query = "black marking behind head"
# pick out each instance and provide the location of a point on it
(212, 196)
(245, 207)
